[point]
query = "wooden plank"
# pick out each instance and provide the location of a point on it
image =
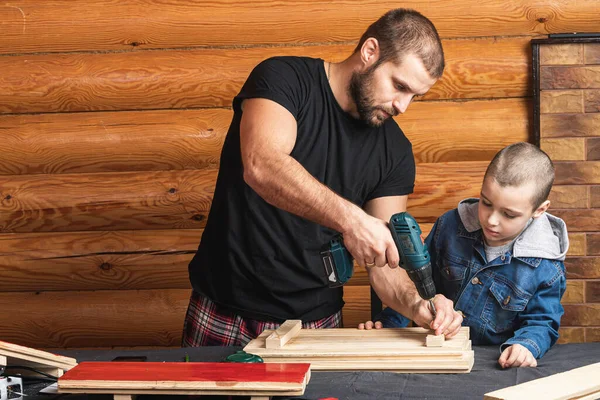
(559, 125)
(28, 356)
(112, 141)
(571, 384)
(177, 199)
(358, 305)
(464, 131)
(405, 341)
(381, 349)
(286, 332)
(192, 139)
(75, 319)
(96, 260)
(561, 54)
(106, 201)
(55, 25)
(440, 187)
(102, 260)
(176, 377)
(482, 68)
(434, 340)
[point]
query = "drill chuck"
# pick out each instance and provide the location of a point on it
(423, 280)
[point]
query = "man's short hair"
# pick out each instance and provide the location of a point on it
(522, 163)
(403, 31)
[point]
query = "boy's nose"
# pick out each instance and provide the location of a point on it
(492, 219)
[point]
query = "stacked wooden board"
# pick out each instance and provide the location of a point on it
(126, 379)
(388, 349)
(15, 355)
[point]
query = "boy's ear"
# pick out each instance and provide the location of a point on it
(541, 209)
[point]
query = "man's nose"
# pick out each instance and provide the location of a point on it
(401, 103)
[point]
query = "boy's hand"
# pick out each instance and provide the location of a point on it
(447, 321)
(370, 325)
(517, 356)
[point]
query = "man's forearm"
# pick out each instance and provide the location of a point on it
(284, 183)
(395, 289)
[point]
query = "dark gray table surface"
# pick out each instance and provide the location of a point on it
(485, 376)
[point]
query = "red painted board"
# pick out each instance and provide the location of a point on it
(187, 371)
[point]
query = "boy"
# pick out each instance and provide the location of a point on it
(500, 259)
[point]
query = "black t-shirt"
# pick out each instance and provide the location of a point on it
(262, 262)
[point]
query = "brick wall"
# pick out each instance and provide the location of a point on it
(569, 129)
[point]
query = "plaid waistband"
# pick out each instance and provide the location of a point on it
(207, 324)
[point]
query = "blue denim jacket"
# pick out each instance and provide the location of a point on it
(512, 299)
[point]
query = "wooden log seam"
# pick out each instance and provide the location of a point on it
(286, 332)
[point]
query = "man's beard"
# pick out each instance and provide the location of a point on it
(360, 91)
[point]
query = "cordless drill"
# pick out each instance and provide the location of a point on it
(414, 257)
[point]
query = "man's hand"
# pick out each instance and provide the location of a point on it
(517, 356)
(447, 321)
(370, 242)
(370, 325)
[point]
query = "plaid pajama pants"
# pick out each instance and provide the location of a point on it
(207, 324)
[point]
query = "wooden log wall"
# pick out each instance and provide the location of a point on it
(113, 113)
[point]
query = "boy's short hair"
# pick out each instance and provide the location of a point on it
(521, 163)
(404, 31)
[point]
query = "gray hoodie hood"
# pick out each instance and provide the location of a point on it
(545, 237)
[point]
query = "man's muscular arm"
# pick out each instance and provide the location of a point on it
(267, 137)
(396, 290)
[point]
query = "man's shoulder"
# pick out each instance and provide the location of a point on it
(292, 62)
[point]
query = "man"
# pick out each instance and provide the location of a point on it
(313, 150)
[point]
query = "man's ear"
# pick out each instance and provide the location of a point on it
(369, 52)
(541, 209)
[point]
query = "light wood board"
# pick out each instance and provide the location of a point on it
(579, 383)
(16, 355)
(388, 349)
(186, 378)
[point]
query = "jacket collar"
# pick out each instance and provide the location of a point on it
(545, 237)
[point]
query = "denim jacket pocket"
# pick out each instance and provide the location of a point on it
(452, 271)
(503, 305)
(453, 268)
